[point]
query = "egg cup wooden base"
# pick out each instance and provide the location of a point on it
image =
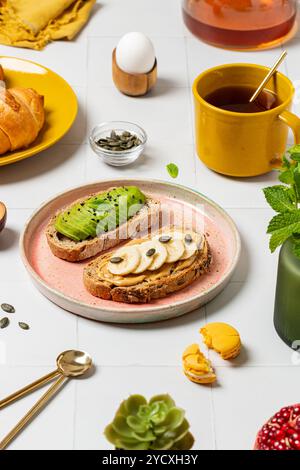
(133, 84)
(3, 215)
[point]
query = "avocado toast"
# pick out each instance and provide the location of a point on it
(176, 258)
(101, 221)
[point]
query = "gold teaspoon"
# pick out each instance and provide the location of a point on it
(69, 364)
(268, 76)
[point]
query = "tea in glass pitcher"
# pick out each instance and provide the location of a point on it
(241, 24)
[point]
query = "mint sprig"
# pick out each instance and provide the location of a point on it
(284, 199)
(279, 198)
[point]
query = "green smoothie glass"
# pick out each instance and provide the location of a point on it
(287, 300)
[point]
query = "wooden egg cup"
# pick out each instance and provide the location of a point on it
(3, 214)
(135, 84)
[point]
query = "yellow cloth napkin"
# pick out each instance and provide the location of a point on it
(34, 23)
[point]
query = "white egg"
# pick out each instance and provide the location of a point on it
(135, 53)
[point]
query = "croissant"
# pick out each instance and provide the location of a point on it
(21, 117)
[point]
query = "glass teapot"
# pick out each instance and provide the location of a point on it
(241, 24)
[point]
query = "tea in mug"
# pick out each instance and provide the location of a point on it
(236, 99)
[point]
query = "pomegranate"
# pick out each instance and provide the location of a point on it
(282, 431)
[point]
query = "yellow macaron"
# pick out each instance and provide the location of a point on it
(196, 367)
(223, 338)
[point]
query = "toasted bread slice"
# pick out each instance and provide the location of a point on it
(73, 251)
(157, 284)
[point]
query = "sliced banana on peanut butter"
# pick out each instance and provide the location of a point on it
(192, 243)
(147, 251)
(167, 247)
(124, 261)
(180, 245)
(175, 249)
(160, 256)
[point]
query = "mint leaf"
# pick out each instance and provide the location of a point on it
(282, 226)
(172, 170)
(286, 176)
(295, 152)
(278, 198)
(297, 178)
(285, 162)
(294, 148)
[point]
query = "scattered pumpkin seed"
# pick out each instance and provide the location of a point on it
(119, 142)
(4, 322)
(116, 260)
(188, 238)
(8, 308)
(151, 252)
(23, 325)
(165, 239)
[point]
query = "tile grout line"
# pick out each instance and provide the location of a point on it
(75, 389)
(191, 109)
(161, 366)
(86, 107)
(211, 398)
(213, 417)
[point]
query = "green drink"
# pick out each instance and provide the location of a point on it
(287, 301)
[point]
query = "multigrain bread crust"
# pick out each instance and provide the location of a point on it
(146, 290)
(69, 250)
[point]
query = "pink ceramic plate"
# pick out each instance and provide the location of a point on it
(62, 283)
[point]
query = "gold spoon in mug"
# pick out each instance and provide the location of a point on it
(69, 364)
(267, 77)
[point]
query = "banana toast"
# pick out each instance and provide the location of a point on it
(154, 282)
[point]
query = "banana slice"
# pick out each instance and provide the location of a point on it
(160, 255)
(175, 249)
(147, 251)
(174, 245)
(192, 243)
(124, 261)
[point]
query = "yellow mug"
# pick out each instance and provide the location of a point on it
(242, 144)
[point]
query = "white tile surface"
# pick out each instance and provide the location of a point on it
(53, 428)
(149, 344)
(29, 183)
(247, 398)
(152, 164)
(202, 56)
(68, 59)
(10, 262)
(116, 384)
(167, 118)
(249, 308)
(115, 18)
(257, 263)
(144, 358)
(78, 132)
(52, 330)
(233, 192)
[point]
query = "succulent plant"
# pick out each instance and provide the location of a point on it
(157, 425)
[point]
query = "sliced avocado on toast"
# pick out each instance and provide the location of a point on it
(100, 213)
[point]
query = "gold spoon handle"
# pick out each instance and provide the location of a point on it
(267, 78)
(28, 389)
(32, 412)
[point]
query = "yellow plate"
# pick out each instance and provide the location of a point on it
(60, 103)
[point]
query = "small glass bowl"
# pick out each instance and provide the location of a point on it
(118, 158)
